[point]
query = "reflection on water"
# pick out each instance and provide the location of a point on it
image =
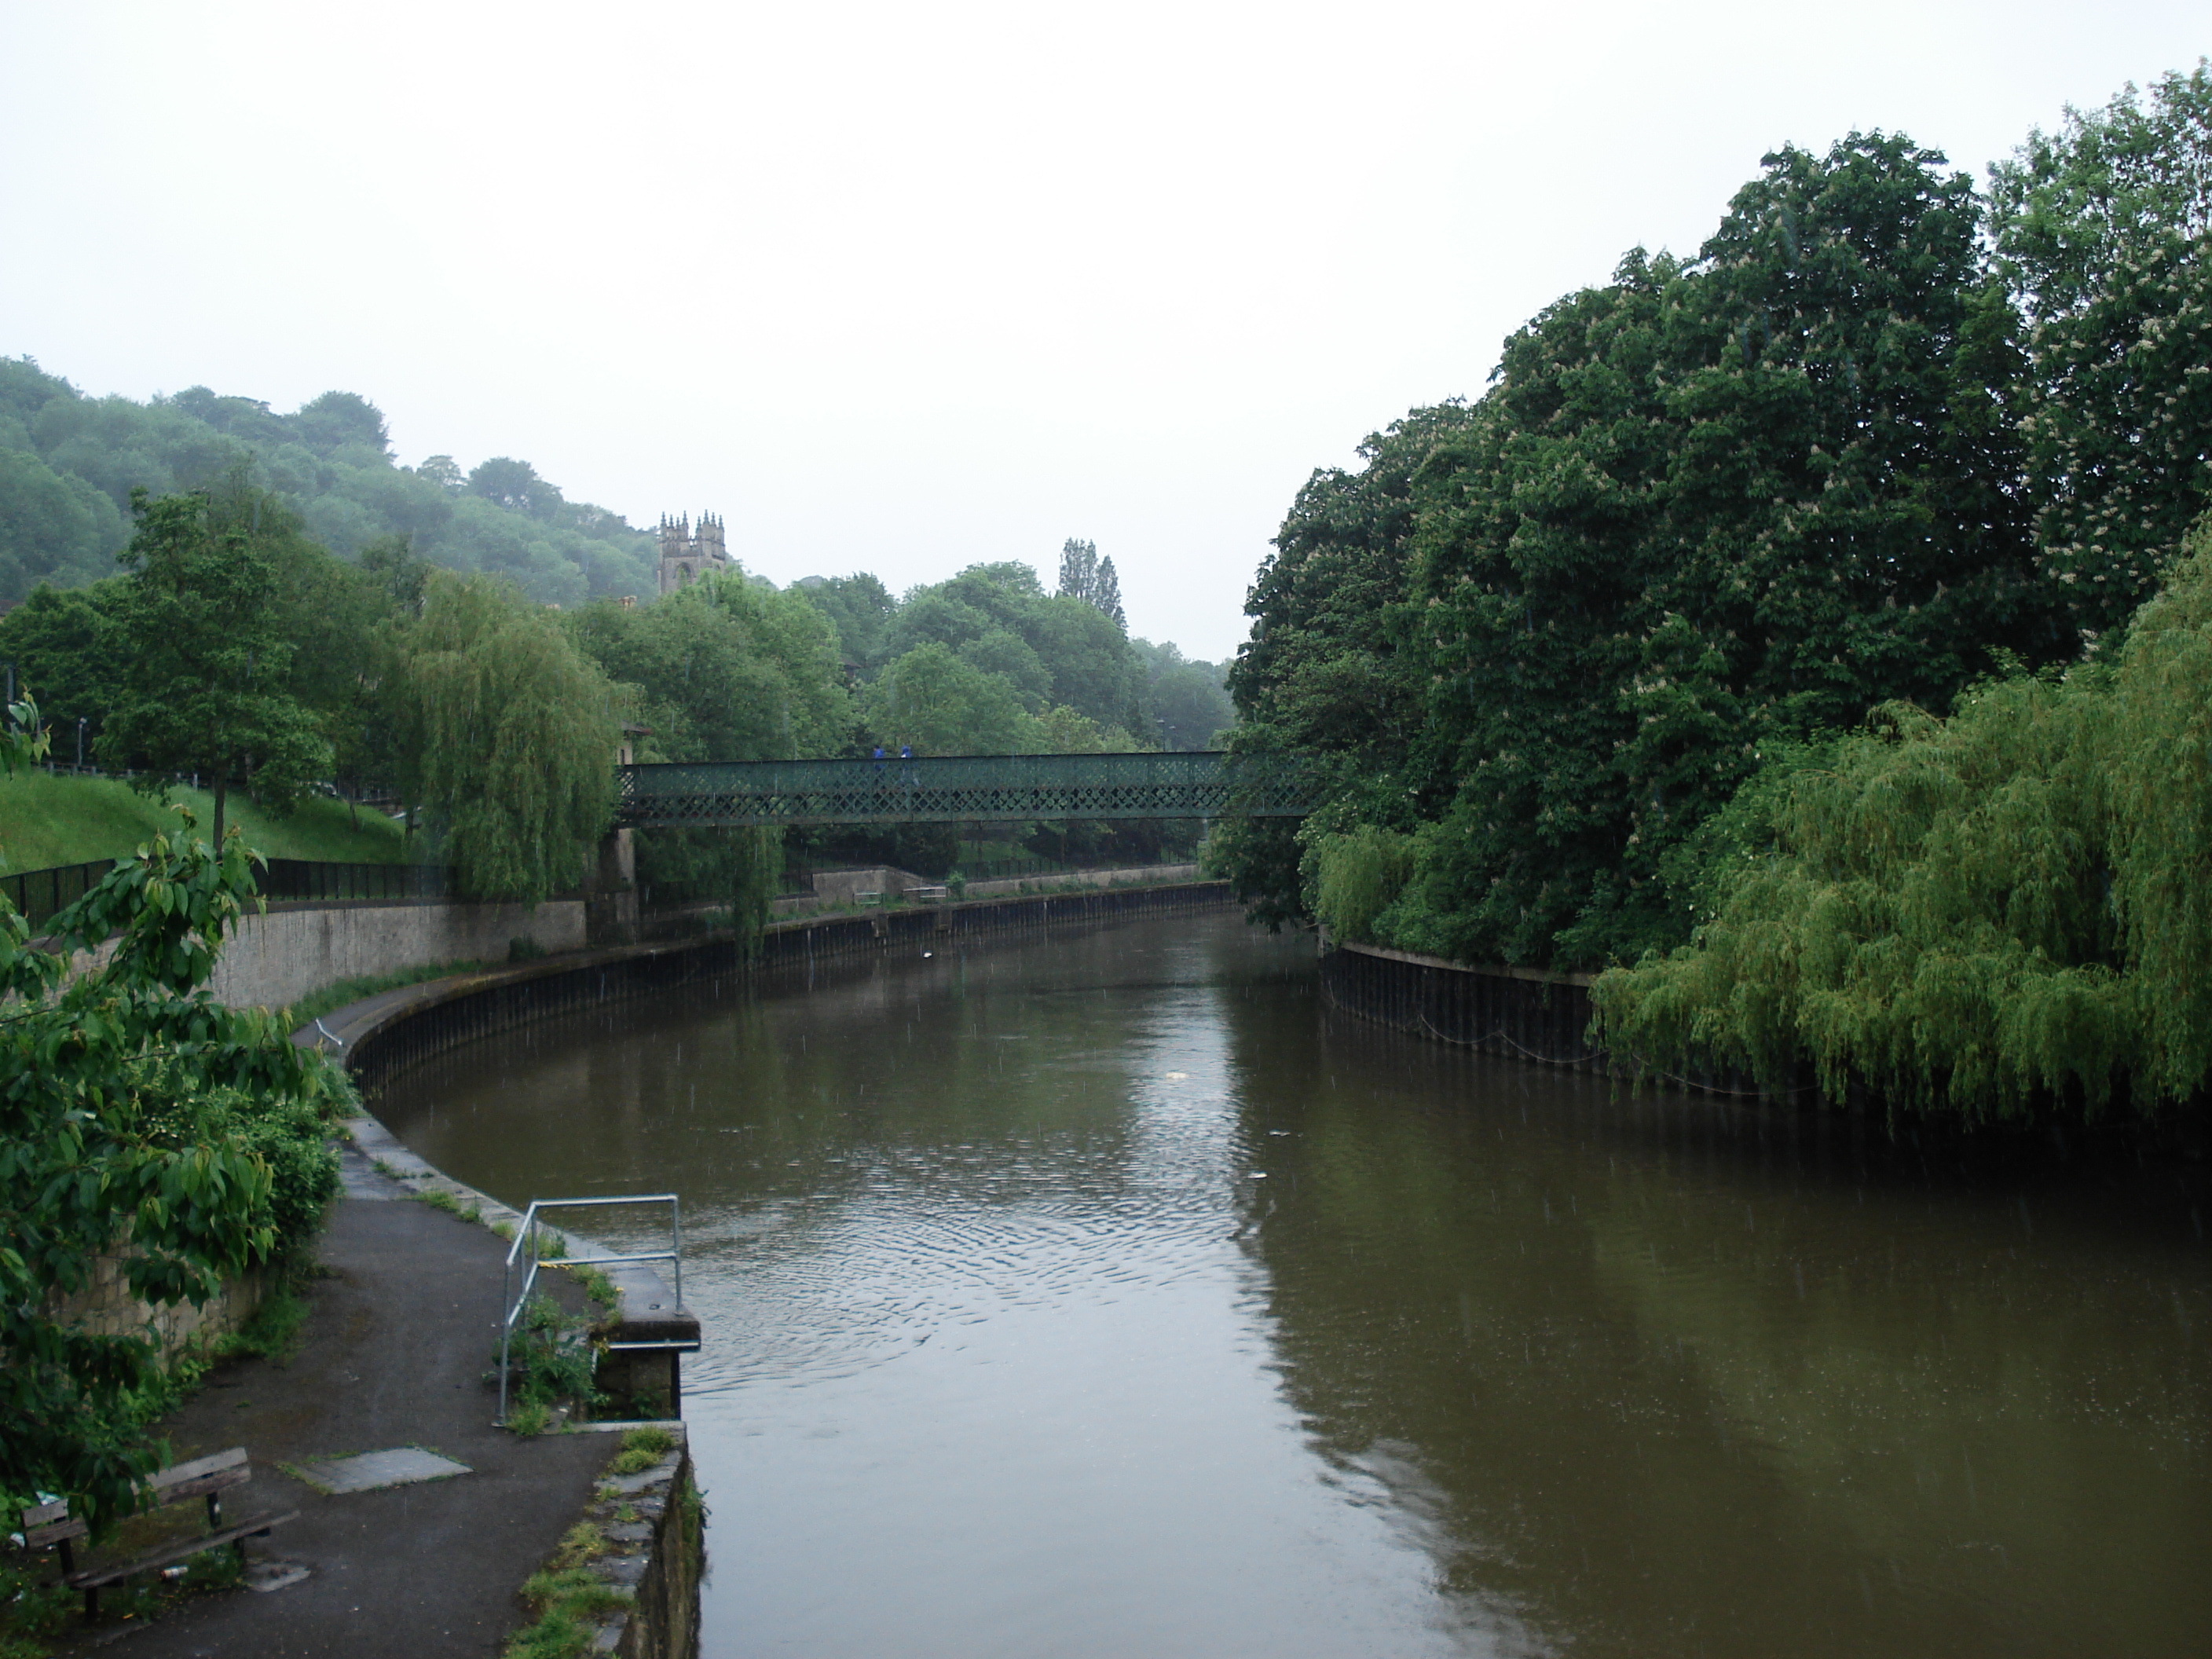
(1101, 1296)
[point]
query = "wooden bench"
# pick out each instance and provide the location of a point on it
(52, 1525)
(931, 895)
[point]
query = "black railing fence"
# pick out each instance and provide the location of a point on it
(41, 895)
(313, 879)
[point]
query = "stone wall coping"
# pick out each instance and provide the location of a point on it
(349, 1025)
(1499, 971)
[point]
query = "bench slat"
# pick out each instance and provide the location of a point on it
(93, 1578)
(177, 1472)
(222, 1480)
(38, 1538)
(49, 1523)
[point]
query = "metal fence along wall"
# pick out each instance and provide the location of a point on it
(314, 879)
(41, 895)
(963, 789)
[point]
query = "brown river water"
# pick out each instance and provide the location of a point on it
(1104, 1296)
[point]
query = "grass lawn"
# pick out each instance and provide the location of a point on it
(50, 820)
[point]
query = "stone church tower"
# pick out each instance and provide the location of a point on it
(684, 557)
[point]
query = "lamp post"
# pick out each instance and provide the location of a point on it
(81, 720)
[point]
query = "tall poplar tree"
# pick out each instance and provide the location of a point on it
(1079, 570)
(1107, 595)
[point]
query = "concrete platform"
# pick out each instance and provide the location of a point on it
(393, 1355)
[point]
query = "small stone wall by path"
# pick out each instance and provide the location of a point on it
(105, 1307)
(658, 1557)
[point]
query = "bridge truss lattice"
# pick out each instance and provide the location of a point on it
(963, 789)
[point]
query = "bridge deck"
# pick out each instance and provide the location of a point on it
(962, 788)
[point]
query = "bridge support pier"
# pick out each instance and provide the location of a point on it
(610, 893)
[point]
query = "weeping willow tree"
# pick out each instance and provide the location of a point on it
(1971, 914)
(508, 734)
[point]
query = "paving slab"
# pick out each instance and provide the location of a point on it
(367, 1472)
(393, 1355)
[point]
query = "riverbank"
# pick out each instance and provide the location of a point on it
(402, 1328)
(399, 1332)
(1103, 1293)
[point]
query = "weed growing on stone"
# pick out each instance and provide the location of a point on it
(343, 991)
(556, 1635)
(641, 1449)
(566, 1595)
(273, 1333)
(552, 1357)
(439, 1199)
(598, 1286)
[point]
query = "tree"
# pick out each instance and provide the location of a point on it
(729, 670)
(53, 526)
(1322, 674)
(507, 732)
(1091, 665)
(1973, 912)
(56, 641)
(2103, 231)
(1011, 658)
(1710, 506)
(202, 653)
(1108, 596)
(726, 669)
(340, 420)
(514, 485)
(138, 1115)
(329, 462)
(860, 608)
(940, 705)
(1079, 570)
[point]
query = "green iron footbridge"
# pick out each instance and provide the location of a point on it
(963, 789)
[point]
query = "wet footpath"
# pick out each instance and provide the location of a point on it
(393, 1356)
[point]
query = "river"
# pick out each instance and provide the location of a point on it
(1103, 1296)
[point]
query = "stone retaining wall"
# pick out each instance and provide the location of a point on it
(105, 1307)
(1500, 1010)
(383, 1035)
(662, 1557)
(292, 951)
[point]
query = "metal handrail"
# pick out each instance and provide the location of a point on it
(513, 1301)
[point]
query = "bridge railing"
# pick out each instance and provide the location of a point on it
(963, 789)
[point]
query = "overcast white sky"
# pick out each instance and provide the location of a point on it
(902, 287)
